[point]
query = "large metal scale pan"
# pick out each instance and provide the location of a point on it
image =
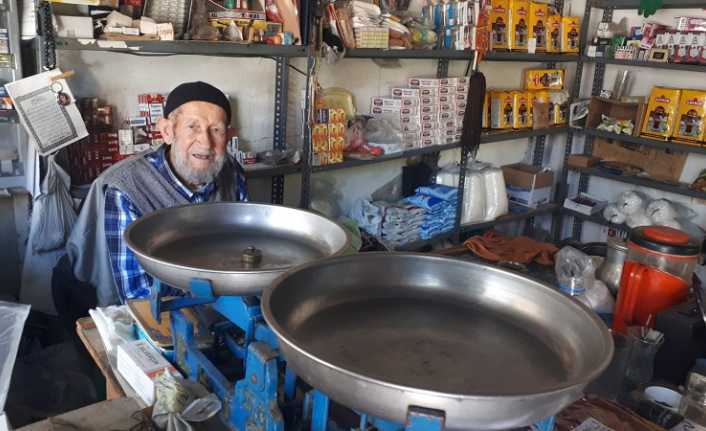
(382, 332)
(212, 241)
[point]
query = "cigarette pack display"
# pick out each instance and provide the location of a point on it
(428, 100)
(428, 142)
(448, 124)
(447, 98)
(499, 21)
(447, 90)
(688, 23)
(462, 89)
(428, 109)
(464, 80)
(522, 109)
(404, 92)
(661, 112)
(424, 82)
(428, 117)
(502, 113)
(385, 102)
(538, 14)
(410, 101)
(447, 107)
(691, 117)
(461, 104)
(570, 32)
(461, 97)
(544, 79)
(433, 92)
(519, 19)
(409, 120)
(376, 110)
(444, 116)
(451, 81)
(695, 49)
(412, 127)
(409, 111)
(554, 33)
(429, 133)
(430, 125)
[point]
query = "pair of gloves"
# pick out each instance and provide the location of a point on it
(649, 7)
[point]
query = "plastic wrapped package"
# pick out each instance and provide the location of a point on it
(473, 192)
(575, 270)
(661, 210)
(56, 211)
(12, 322)
(613, 214)
(631, 202)
(496, 202)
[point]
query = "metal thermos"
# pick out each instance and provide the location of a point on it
(611, 269)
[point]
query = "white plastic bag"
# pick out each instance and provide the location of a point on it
(12, 322)
(473, 193)
(496, 203)
(56, 211)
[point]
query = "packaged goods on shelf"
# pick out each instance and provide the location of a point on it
(544, 79)
(521, 109)
(661, 112)
(538, 14)
(519, 23)
(500, 24)
(502, 112)
(690, 124)
(528, 185)
(559, 107)
(554, 33)
(570, 32)
(329, 136)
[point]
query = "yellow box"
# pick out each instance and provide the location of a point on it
(544, 79)
(691, 117)
(519, 20)
(554, 33)
(538, 22)
(500, 22)
(661, 112)
(540, 96)
(521, 109)
(502, 111)
(486, 111)
(570, 34)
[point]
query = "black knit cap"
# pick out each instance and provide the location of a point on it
(197, 91)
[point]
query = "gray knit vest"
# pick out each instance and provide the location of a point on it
(148, 190)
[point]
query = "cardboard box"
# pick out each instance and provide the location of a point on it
(500, 22)
(529, 198)
(661, 112)
(74, 26)
(570, 34)
(519, 23)
(691, 117)
(538, 14)
(612, 108)
(140, 364)
(385, 102)
(502, 112)
(544, 79)
(486, 111)
(659, 164)
(585, 204)
(522, 109)
(554, 34)
(523, 176)
(582, 161)
(424, 82)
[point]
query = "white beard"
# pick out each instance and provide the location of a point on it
(197, 177)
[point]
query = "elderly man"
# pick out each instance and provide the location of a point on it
(192, 167)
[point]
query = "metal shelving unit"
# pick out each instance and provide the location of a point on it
(182, 47)
(651, 64)
(280, 54)
(639, 140)
(595, 218)
(679, 189)
(487, 138)
(450, 54)
(608, 7)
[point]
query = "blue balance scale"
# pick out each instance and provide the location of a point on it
(268, 396)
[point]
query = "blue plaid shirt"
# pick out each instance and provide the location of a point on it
(132, 281)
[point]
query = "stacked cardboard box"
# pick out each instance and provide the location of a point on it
(442, 106)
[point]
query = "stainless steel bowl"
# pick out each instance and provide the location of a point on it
(382, 332)
(240, 247)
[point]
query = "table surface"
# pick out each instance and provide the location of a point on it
(121, 413)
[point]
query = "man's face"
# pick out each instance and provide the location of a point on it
(198, 135)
